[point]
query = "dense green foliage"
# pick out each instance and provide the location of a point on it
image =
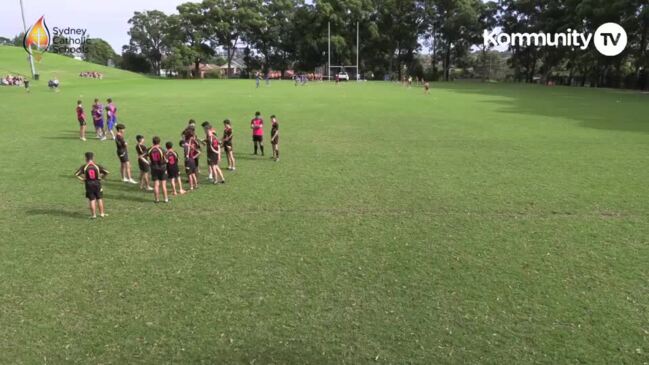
(398, 36)
(481, 224)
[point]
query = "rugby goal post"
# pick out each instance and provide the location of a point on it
(343, 67)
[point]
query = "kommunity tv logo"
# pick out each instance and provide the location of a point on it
(610, 39)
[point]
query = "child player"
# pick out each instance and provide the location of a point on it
(274, 137)
(158, 170)
(81, 117)
(206, 127)
(189, 136)
(426, 88)
(143, 163)
(213, 154)
(257, 126)
(122, 154)
(111, 116)
(172, 169)
(190, 163)
(98, 119)
(227, 144)
(91, 174)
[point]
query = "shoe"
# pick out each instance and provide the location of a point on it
(166, 200)
(103, 215)
(83, 139)
(125, 180)
(93, 217)
(133, 181)
(148, 188)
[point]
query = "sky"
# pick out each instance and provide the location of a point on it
(102, 19)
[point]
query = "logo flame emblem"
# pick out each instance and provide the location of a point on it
(37, 39)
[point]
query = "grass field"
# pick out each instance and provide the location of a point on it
(482, 224)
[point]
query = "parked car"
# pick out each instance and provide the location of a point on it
(343, 76)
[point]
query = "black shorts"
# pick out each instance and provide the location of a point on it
(275, 141)
(190, 166)
(158, 174)
(82, 122)
(213, 159)
(196, 160)
(172, 171)
(228, 146)
(257, 138)
(123, 157)
(94, 191)
(144, 167)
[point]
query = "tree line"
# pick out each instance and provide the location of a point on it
(429, 39)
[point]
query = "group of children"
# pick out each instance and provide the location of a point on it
(162, 164)
(97, 114)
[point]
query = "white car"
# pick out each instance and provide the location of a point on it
(343, 76)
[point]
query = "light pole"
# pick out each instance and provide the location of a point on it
(358, 50)
(31, 59)
(329, 51)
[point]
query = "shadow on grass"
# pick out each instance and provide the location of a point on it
(136, 199)
(55, 212)
(64, 135)
(604, 109)
(250, 156)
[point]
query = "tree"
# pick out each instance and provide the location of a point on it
(18, 39)
(133, 61)
(99, 51)
(149, 32)
(227, 21)
(187, 36)
(272, 33)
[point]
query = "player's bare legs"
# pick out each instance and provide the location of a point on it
(173, 187)
(127, 167)
(82, 132)
(180, 186)
(231, 161)
(100, 202)
(92, 204)
(217, 173)
(164, 191)
(276, 152)
(156, 190)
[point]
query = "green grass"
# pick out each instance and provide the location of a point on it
(483, 224)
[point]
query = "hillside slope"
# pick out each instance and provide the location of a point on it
(13, 60)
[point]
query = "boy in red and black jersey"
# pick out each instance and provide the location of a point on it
(189, 136)
(143, 163)
(122, 154)
(190, 154)
(158, 170)
(172, 169)
(91, 174)
(274, 137)
(81, 117)
(227, 144)
(257, 126)
(213, 154)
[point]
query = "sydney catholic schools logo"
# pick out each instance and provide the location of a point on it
(37, 39)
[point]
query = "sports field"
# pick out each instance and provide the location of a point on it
(481, 224)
